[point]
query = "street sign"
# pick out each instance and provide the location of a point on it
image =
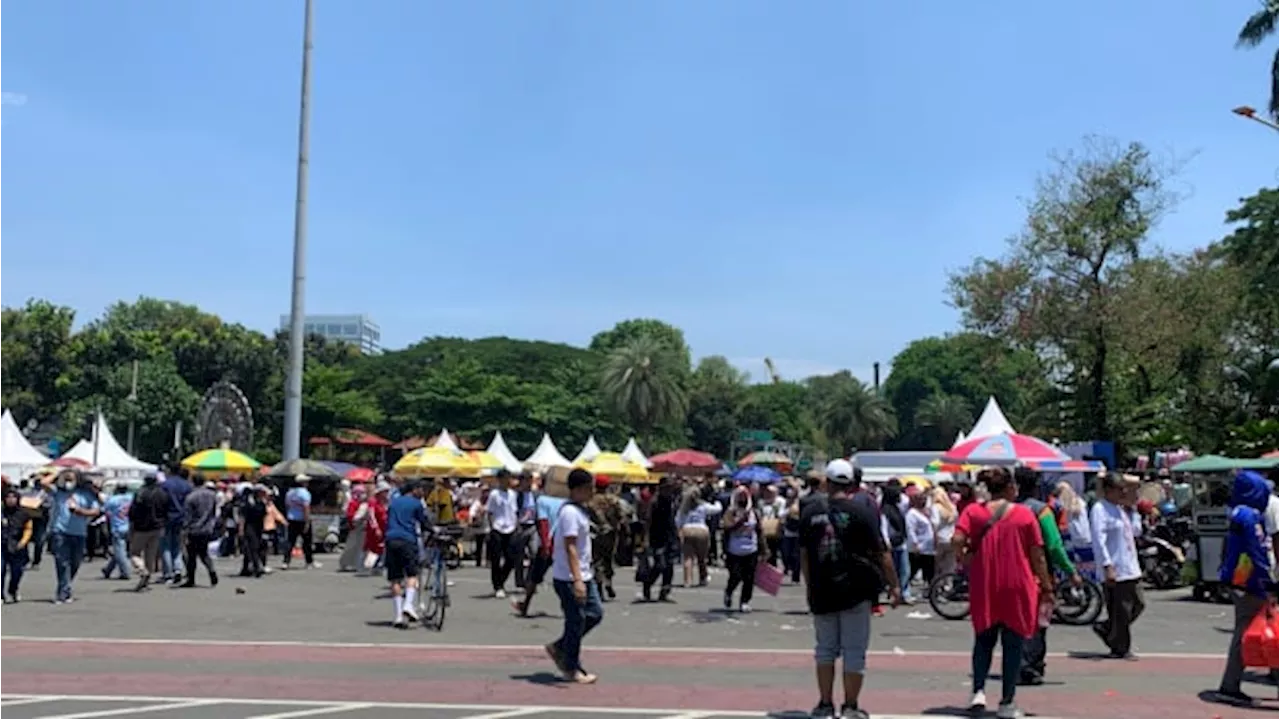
(755, 435)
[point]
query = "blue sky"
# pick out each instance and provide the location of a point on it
(784, 179)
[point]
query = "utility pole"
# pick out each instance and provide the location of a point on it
(133, 408)
(297, 311)
(94, 435)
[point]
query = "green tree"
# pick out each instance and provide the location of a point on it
(642, 382)
(783, 408)
(1054, 291)
(718, 391)
(627, 331)
(330, 402)
(946, 414)
(850, 414)
(36, 359)
(1261, 26)
(163, 400)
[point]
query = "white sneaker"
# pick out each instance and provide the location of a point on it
(979, 701)
(314, 565)
(499, 594)
(1009, 711)
(266, 570)
(745, 608)
(411, 613)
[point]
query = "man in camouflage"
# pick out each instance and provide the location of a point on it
(607, 517)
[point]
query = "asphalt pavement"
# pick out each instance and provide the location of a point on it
(309, 642)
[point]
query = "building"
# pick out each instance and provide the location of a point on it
(359, 330)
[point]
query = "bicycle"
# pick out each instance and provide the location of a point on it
(433, 582)
(1076, 606)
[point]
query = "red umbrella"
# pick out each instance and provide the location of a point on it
(1271, 454)
(71, 462)
(359, 474)
(1004, 449)
(685, 459)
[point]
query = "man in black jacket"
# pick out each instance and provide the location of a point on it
(147, 517)
(201, 511)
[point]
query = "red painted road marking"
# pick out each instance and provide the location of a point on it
(913, 663)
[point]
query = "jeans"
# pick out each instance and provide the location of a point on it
(984, 648)
(300, 530)
(171, 551)
(68, 552)
(791, 557)
(902, 566)
(39, 536)
(119, 555)
(198, 551)
(579, 620)
(12, 567)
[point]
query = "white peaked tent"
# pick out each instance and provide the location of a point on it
(546, 456)
(445, 440)
(17, 456)
(632, 453)
(112, 458)
(590, 451)
(992, 422)
(960, 438)
(498, 448)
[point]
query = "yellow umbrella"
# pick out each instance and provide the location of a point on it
(488, 463)
(220, 460)
(611, 464)
(917, 480)
(437, 462)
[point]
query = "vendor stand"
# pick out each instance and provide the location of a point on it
(1211, 480)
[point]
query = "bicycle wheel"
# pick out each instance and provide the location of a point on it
(428, 599)
(1078, 606)
(949, 596)
(440, 595)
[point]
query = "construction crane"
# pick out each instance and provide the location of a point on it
(773, 371)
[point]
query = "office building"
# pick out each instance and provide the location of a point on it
(359, 330)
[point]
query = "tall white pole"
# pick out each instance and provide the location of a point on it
(297, 311)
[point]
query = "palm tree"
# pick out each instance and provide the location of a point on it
(853, 415)
(948, 414)
(1260, 26)
(642, 383)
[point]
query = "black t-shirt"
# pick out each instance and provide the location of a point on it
(841, 539)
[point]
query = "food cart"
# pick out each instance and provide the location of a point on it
(1211, 478)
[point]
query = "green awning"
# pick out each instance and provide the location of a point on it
(1211, 463)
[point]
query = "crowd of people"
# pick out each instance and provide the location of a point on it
(854, 548)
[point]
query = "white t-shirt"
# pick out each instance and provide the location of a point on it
(919, 532)
(573, 523)
(502, 511)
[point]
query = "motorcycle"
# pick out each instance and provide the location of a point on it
(1161, 561)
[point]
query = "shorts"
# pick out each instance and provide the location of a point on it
(402, 559)
(538, 568)
(846, 633)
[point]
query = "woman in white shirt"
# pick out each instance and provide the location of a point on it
(920, 538)
(1076, 533)
(943, 515)
(479, 519)
(695, 535)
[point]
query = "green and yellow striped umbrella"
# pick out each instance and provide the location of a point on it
(220, 460)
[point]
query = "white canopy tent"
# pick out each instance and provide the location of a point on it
(111, 457)
(632, 453)
(17, 457)
(590, 451)
(498, 448)
(546, 456)
(991, 423)
(446, 440)
(960, 438)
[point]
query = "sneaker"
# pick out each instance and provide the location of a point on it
(849, 711)
(728, 601)
(412, 613)
(266, 570)
(744, 608)
(499, 594)
(1009, 711)
(400, 623)
(314, 565)
(581, 677)
(979, 702)
(824, 710)
(213, 580)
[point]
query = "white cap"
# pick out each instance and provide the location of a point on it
(840, 471)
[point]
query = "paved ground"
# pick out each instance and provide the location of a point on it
(317, 636)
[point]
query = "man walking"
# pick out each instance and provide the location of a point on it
(606, 514)
(573, 580)
(147, 518)
(75, 502)
(297, 513)
(201, 510)
(1114, 527)
(502, 532)
(117, 510)
(177, 488)
(251, 520)
(846, 566)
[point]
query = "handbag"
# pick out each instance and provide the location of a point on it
(1258, 646)
(768, 578)
(772, 527)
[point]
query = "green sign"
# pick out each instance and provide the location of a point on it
(755, 435)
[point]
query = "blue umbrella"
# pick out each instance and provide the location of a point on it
(756, 473)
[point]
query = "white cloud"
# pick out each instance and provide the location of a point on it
(790, 368)
(12, 99)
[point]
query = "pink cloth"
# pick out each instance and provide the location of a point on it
(1002, 587)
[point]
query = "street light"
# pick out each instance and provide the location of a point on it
(1249, 113)
(292, 444)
